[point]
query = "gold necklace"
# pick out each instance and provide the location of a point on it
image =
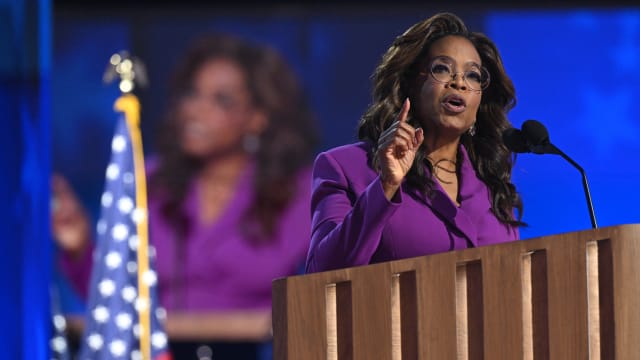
(440, 165)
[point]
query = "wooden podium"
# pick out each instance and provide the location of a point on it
(567, 296)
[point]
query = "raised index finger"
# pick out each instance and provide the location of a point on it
(404, 110)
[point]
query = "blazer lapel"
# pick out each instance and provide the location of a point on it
(471, 191)
(441, 204)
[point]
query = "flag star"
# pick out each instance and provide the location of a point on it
(95, 341)
(142, 304)
(128, 178)
(132, 267)
(113, 171)
(125, 205)
(113, 260)
(133, 242)
(161, 313)
(107, 199)
(120, 232)
(129, 294)
(124, 321)
(137, 330)
(59, 322)
(106, 287)
(138, 215)
(158, 340)
(118, 144)
(59, 344)
(150, 278)
(101, 314)
(101, 227)
(136, 355)
(117, 348)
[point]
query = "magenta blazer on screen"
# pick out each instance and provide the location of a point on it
(353, 223)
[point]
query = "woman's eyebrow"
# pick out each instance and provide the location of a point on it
(473, 63)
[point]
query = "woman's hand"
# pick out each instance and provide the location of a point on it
(397, 147)
(69, 221)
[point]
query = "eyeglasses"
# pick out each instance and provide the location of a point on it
(476, 78)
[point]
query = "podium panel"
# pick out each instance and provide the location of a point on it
(565, 296)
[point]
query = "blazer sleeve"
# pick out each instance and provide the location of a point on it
(346, 224)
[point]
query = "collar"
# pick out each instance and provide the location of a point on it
(470, 193)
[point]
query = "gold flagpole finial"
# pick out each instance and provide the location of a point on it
(130, 70)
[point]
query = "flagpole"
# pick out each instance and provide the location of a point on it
(128, 104)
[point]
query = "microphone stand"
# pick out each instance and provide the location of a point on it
(549, 148)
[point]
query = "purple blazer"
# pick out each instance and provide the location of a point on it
(353, 223)
(214, 267)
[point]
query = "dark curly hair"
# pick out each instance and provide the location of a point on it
(393, 81)
(286, 145)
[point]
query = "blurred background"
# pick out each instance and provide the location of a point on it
(575, 66)
(575, 70)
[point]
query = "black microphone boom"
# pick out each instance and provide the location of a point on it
(534, 138)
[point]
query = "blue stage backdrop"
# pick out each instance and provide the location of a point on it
(25, 243)
(576, 72)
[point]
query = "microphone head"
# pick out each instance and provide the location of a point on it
(515, 141)
(535, 133)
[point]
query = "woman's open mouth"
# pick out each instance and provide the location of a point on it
(454, 103)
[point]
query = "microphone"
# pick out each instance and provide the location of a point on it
(515, 141)
(534, 138)
(538, 138)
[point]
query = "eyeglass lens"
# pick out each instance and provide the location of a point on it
(476, 78)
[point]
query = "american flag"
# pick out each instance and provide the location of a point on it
(114, 326)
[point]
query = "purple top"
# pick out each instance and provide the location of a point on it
(353, 223)
(216, 268)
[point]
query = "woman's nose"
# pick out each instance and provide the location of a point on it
(457, 81)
